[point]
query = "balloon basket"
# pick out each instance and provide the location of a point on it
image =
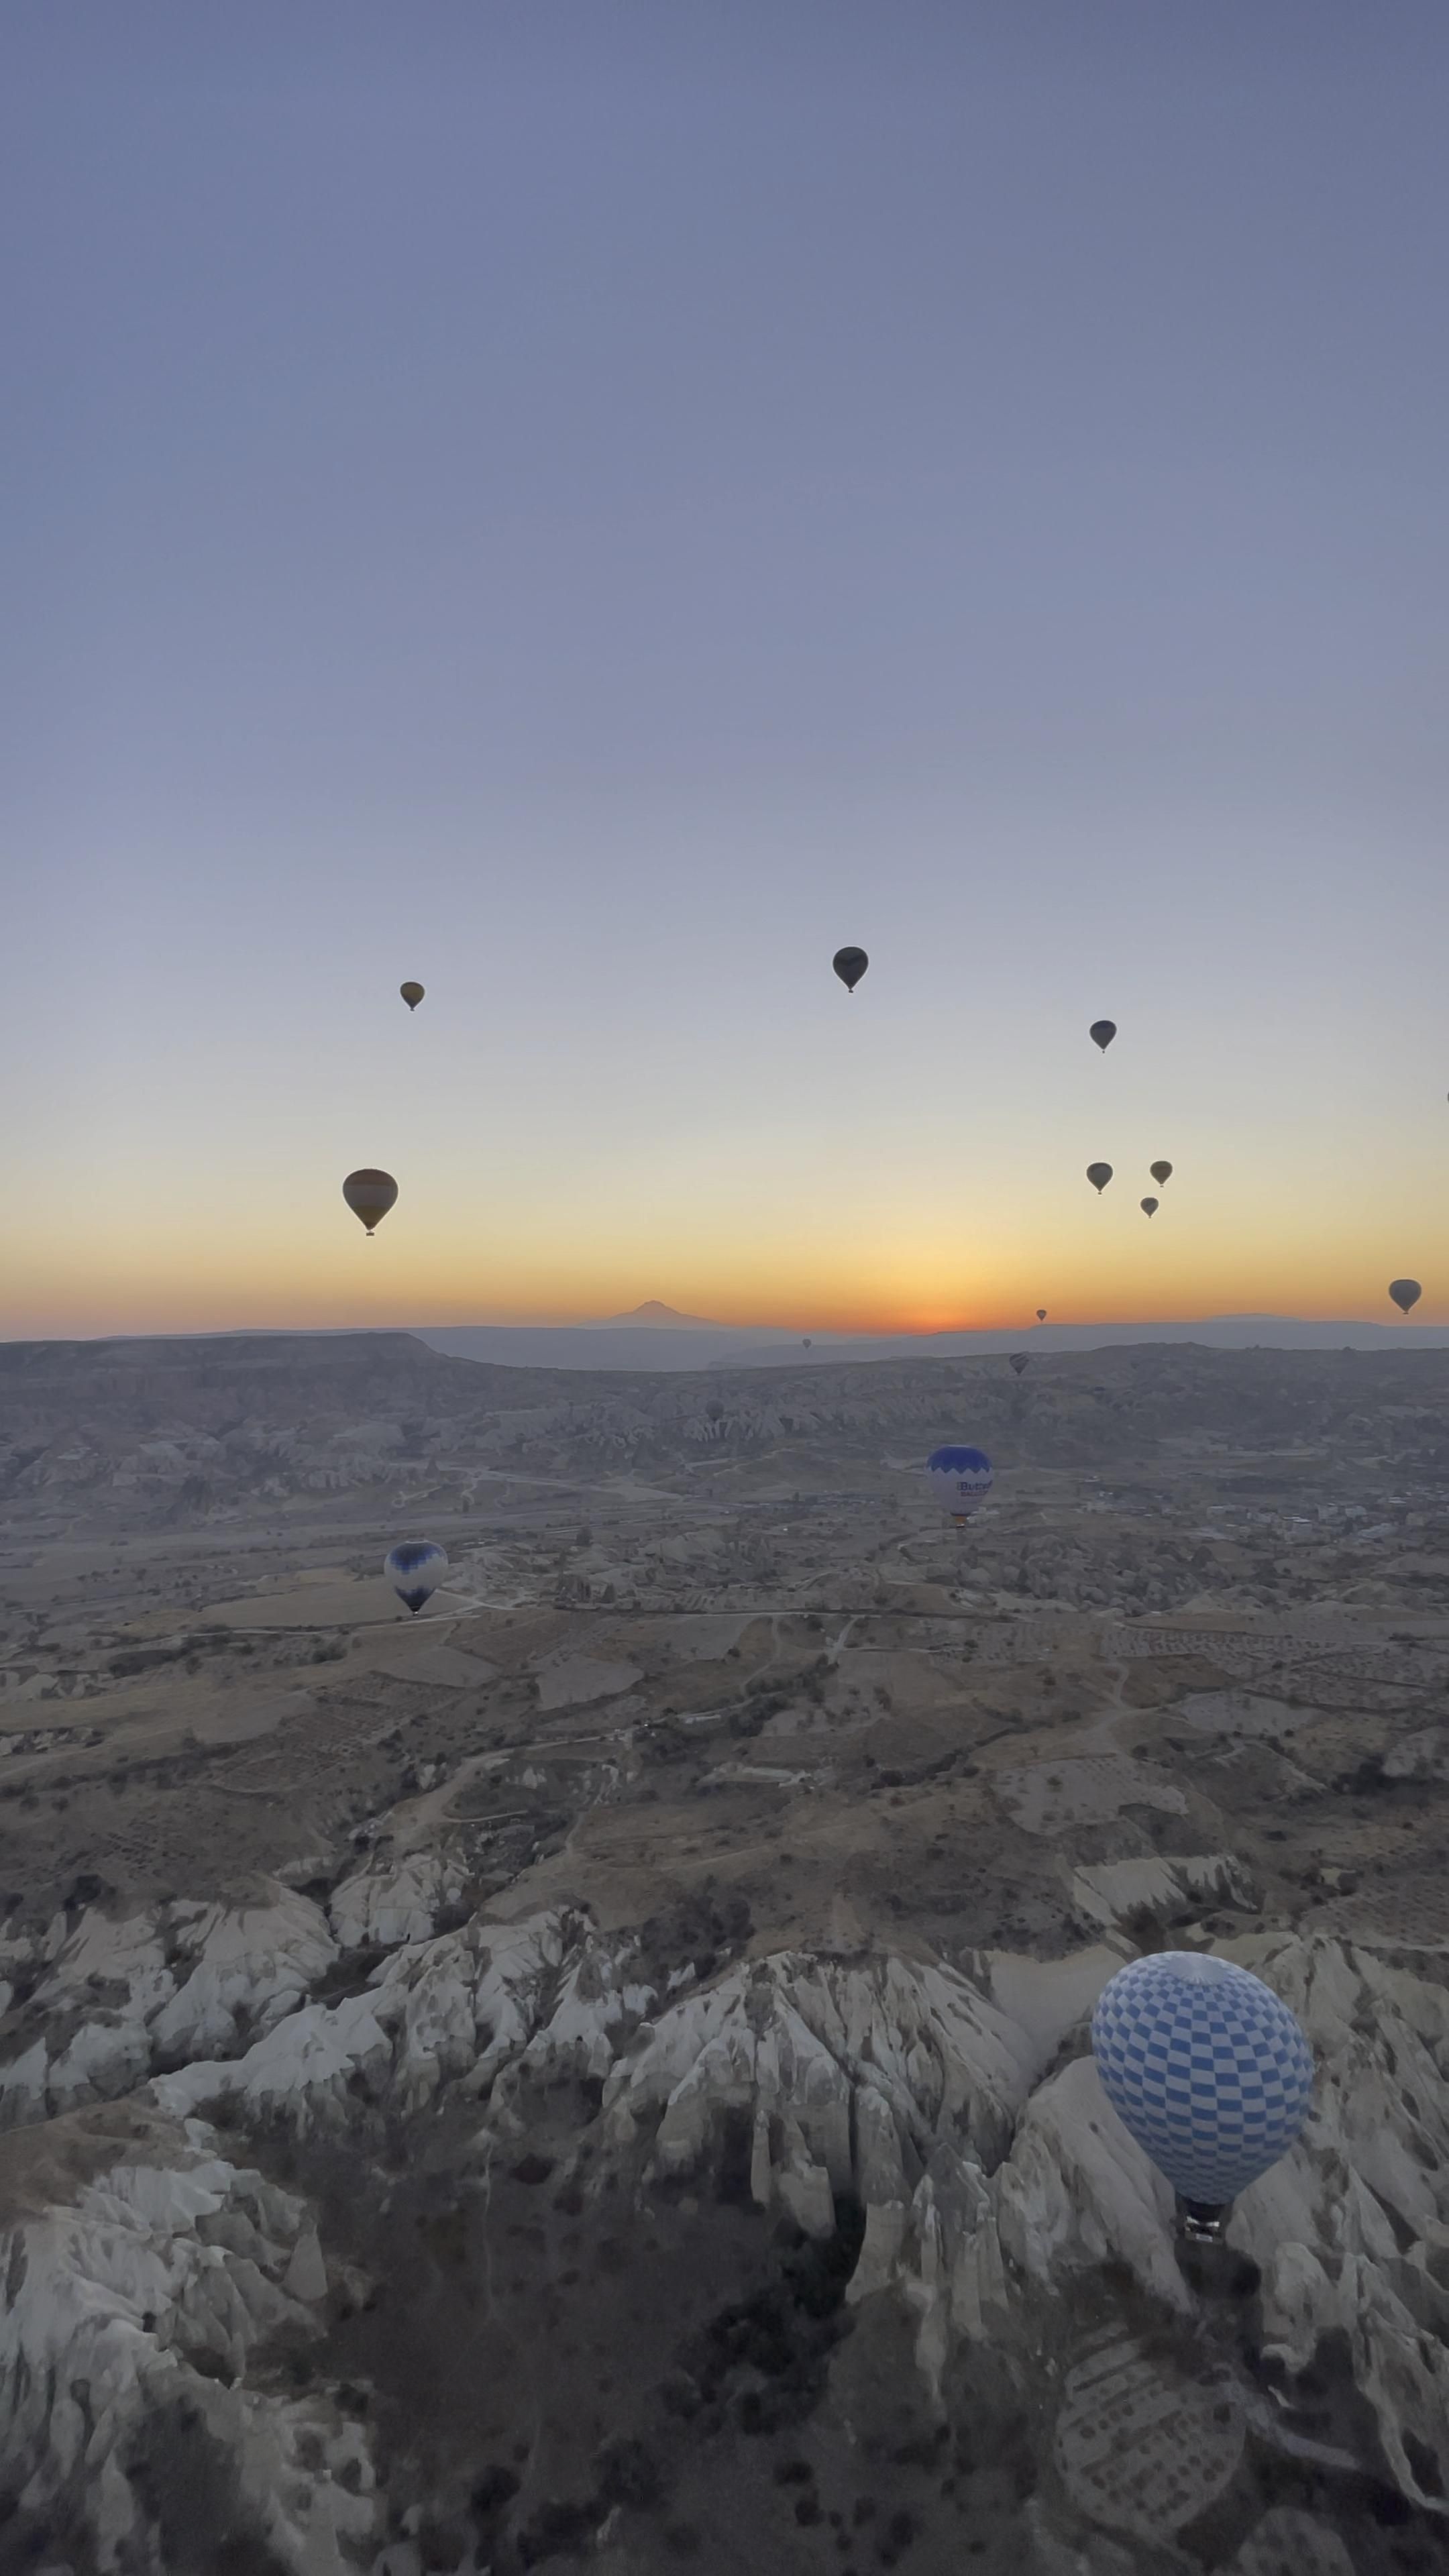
(1201, 2222)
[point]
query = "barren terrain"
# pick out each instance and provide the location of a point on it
(597, 2074)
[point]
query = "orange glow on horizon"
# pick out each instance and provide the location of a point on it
(878, 1254)
(153, 1308)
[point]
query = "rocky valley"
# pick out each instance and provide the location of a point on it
(597, 2075)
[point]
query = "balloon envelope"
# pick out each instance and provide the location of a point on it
(370, 1195)
(1102, 1032)
(415, 1568)
(1150, 1206)
(850, 964)
(412, 994)
(1161, 1172)
(805, 1345)
(1041, 1314)
(1020, 1361)
(1405, 1293)
(1099, 1174)
(1205, 2067)
(960, 1478)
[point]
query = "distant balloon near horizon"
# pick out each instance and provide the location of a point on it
(1019, 1361)
(1205, 2066)
(805, 1345)
(1102, 1032)
(1149, 1207)
(1041, 1314)
(1405, 1293)
(370, 1195)
(415, 1568)
(1099, 1174)
(1161, 1173)
(412, 994)
(960, 1478)
(850, 964)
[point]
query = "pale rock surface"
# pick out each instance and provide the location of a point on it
(302, 2068)
(1076, 2190)
(22, 2087)
(181, 1980)
(958, 2105)
(383, 1906)
(103, 1954)
(104, 2059)
(1110, 1891)
(130, 2258)
(255, 1961)
(1349, 2227)
(1419, 1757)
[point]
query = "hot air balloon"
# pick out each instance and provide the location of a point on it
(959, 1479)
(1206, 2068)
(1099, 1174)
(1405, 1293)
(415, 1568)
(1161, 1173)
(1102, 1032)
(1019, 1361)
(412, 994)
(805, 1345)
(370, 1195)
(850, 964)
(1149, 1207)
(1041, 1314)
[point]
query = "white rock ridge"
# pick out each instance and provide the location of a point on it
(144, 2256)
(957, 2107)
(180, 1981)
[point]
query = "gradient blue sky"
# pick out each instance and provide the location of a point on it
(595, 505)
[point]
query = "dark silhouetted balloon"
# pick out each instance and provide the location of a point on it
(1020, 1361)
(1041, 1314)
(1405, 1293)
(370, 1195)
(1149, 1207)
(1161, 1173)
(850, 964)
(1102, 1032)
(412, 994)
(415, 1568)
(805, 1345)
(1099, 1174)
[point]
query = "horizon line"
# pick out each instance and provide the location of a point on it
(672, 1333)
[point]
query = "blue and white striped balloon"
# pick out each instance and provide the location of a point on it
(415, 1568)
(1205, 2067)
(959, 1479)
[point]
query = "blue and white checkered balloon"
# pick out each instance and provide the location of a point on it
(1205, 2067)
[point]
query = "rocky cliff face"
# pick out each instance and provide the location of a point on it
(929, 2145)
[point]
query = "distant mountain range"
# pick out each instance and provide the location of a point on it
(652, 1312)
(655, 1337)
